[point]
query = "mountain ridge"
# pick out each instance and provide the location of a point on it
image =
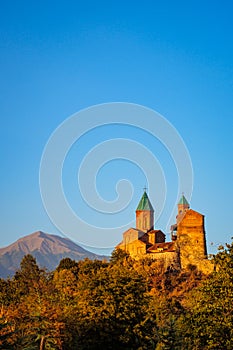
(48, 249)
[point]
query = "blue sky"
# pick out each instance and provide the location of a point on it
(60, 57)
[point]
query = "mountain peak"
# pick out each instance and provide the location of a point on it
(48, 249)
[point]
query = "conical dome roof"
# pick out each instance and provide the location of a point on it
(145, 203)
(183, 200)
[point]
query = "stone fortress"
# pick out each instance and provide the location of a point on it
(188, 237)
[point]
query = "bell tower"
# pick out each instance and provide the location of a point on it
(191, 237)
(145, 214)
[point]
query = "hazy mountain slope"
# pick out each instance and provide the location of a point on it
(46, 248)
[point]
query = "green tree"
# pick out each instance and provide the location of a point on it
(118, 256)
(112, 310)
(28, 275)
(209, 318)
(67, 264)
(7, 293)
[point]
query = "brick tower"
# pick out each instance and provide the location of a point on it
(191, 238)
(145, 214)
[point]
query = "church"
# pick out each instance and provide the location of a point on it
(188, 238)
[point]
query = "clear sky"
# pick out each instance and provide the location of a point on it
(58, 57)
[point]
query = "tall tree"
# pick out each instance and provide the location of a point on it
(28, 274)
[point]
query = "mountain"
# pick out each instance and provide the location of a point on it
(48, 250)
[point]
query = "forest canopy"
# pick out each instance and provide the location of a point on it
(120, 304)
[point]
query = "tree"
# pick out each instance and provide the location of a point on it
(5, 334)
(118, 256)
(34, 315)
(209, 318)
(28, 275)
(67, 264)
(36, 321)
(111, 310)
(7, 294)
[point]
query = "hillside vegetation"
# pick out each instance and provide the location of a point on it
(121, 304)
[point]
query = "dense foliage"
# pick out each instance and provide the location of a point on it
(121, 304)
